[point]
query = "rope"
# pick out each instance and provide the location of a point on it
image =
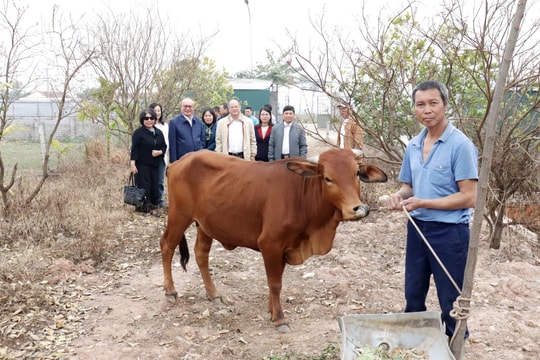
(461, 307)
(460, 312)
(432, 251)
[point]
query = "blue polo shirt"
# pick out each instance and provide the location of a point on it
(452, 158)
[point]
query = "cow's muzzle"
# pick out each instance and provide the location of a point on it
(361, 211)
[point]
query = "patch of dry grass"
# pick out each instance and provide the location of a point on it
(79, 201)
(78, 219)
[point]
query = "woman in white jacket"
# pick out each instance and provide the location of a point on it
(162, 125)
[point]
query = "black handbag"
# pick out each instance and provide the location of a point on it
(132, 194)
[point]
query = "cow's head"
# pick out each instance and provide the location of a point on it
(341, 171)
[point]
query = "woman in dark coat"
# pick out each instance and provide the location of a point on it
(210, 123)
(262, 133)
(147, 150)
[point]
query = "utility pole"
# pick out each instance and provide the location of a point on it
(250, 37)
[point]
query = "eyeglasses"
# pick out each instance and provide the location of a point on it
(149, 118)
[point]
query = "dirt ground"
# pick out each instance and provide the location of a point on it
(126, 315)
(122, 312)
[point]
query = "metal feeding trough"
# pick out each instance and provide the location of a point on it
(419, 334)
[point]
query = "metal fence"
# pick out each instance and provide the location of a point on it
(34, 118)
(32, 128)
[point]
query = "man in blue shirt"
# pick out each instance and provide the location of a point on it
(248, 112)
(439, 177)
(186, 132)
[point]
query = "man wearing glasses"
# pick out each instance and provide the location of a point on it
(186, 132)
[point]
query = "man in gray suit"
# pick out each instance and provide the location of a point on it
(288, 138)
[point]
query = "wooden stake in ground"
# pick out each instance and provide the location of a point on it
(457, 341)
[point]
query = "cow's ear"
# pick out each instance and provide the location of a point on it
(371, 173)
(304, 169)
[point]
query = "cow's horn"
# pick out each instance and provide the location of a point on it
(313, 159)
(357, 152)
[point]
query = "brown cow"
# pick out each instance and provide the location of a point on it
(288, 210)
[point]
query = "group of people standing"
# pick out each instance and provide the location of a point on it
(156, 143)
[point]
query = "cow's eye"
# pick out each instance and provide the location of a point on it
(328, 181)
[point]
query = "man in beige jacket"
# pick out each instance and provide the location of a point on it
(351, 135)
(235, 134)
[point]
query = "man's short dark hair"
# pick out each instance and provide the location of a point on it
(432, 84)
(289, 108)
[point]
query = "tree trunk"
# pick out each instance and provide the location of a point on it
(457, 342)
(498, 226)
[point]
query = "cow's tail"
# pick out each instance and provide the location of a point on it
(184, 252)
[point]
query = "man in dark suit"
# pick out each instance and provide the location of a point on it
(288, 138)
(186, 132)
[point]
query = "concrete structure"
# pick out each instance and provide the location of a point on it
(307, 100)
(252, 92)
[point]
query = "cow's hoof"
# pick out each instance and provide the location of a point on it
(172, 297)
(226, 301)
(283, 328)
(221, 300)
